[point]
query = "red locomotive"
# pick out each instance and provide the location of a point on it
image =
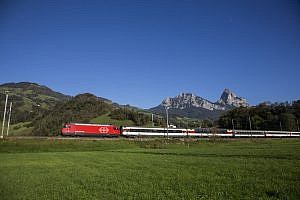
(78, 129)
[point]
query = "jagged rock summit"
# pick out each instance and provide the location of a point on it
(188, 100)
(230, 99)
(190, 105)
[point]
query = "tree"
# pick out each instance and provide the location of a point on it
(288, 121)
(257, 122)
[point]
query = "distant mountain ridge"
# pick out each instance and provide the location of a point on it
(192, 106)
(35, 88)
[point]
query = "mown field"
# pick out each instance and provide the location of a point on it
(154, 169)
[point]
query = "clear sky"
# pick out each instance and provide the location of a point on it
(139, 52)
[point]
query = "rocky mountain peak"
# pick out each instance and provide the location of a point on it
(182, 101)
(189, 100)
(229, 98)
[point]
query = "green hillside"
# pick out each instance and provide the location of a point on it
(29, 100)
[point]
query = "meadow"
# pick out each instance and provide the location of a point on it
(150, 169)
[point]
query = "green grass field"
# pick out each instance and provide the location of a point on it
(153, 169)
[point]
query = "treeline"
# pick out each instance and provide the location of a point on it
(191, 123)
(128, 114)
(139, 118)
(277, 116)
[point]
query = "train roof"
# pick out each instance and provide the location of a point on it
(156, 128)
(85, 124)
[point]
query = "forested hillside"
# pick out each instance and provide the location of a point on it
(277, 116)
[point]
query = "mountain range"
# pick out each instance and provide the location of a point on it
(192, 106)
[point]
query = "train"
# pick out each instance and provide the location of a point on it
(100, 130)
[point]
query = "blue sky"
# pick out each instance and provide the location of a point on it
(139, 52)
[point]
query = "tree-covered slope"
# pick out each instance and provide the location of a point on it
(277, 116)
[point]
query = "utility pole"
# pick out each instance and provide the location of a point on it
(167, 121)
(152, 117)
(297, 124)
(9, 118)
(125, 112)
(250, 125)
(4, 114)
(233, 132)
(280, 125)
